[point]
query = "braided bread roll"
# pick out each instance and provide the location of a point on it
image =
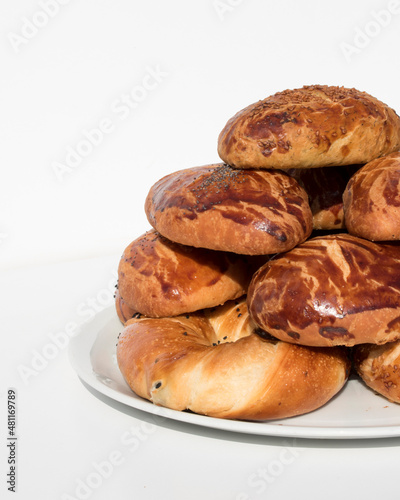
(214, 363)
(314, 126)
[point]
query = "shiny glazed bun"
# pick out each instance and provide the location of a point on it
(372, 200)
(314, 126)
(248, 212)
(331, 290)
(212, 362)
(379, 367)
(157, 277)
(325, 187)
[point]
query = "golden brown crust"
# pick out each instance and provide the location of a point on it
(325, 187)
(372, 200)
(379, 367)
(213, 363)
(314, 126)
(248, 212)
(332, 290)
(124, 312)
(157, 277)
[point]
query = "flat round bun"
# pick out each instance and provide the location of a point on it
(314, 126)
(248, 212)
(330, 290)
(325, 187)
(372, 200)
(157, 277)
(213, 363)
(379, 367)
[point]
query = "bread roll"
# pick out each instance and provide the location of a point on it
(325, 187)
(331, 290)
(314, 126)
(248, 212)
(214, 363)
(157, 277)
(372, 200)
(379, 367)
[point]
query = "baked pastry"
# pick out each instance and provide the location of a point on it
(124, 312)
(325, 187)
(372, 200)
(379, 367)
(248, 212)
(314, 126)
(330, 290)
(157, 277)
(214, 363)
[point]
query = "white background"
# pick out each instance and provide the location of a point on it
(216, 57)
(64, 75)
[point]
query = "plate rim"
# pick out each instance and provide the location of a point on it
(87, 334)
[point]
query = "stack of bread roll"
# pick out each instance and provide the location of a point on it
(262, 276)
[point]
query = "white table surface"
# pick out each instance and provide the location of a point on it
(72, 442)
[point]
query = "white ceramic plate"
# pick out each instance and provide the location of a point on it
(356, 412)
